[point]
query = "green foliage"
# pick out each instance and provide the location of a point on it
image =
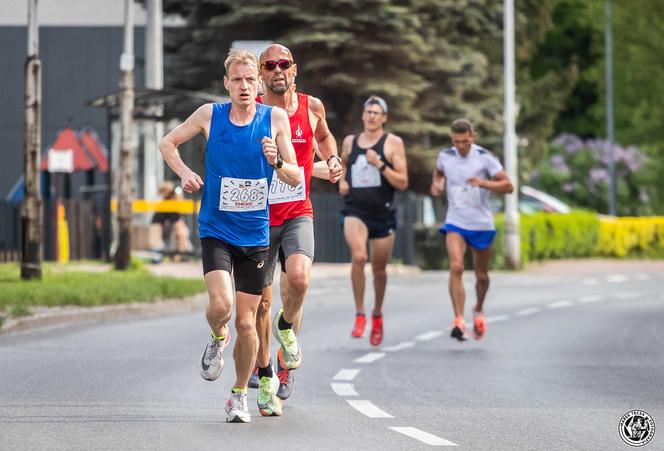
(433, 60)
(89, 289)
(577, 173)
(543, 236)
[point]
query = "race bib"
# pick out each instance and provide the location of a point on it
(281, 192)
(463, 196)
(364, 175)
(242, 194)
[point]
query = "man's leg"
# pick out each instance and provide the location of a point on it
(456, 248)
(381, 250)
(218, 314)
(263, 316)
(298, 272)
(246, 344)
(357, 234)
(481, 262)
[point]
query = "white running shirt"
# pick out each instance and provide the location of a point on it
(468, 206)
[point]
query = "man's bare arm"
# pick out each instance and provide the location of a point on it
(288, 173)
(397, 175)
(327, 145)
(437, 182)
(198, 122)
(346, 147)
(500, 183)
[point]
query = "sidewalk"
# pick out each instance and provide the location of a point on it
(318, 271)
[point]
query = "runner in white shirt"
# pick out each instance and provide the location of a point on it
(470, 173)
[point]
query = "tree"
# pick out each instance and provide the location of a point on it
(432, 60)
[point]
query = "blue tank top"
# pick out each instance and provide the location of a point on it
(234, 207)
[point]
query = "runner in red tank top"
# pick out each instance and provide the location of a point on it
(291, 218)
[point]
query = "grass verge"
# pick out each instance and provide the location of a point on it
(59, 287)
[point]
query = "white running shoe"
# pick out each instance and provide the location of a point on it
(211, 361)
(237, 410)
(269, 405)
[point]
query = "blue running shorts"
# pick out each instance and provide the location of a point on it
(478, 239)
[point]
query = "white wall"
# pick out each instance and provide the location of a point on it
(74, 13)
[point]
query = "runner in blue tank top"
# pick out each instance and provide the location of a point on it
(246, 143)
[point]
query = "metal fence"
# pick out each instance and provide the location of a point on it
(87, 229)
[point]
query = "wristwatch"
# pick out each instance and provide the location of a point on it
(334, 156)
(279, 163)
(382, 168)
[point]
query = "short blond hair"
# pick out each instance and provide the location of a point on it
(240, 56)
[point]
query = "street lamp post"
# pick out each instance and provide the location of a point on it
(608, 44)
(512, 236)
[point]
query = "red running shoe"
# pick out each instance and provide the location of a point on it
(376, 336)
(360, 324)
(479, 325)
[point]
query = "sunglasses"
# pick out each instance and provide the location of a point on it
(282, 63)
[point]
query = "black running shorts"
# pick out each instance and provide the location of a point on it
(247, 263)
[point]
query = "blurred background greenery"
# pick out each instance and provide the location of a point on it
(437, 60)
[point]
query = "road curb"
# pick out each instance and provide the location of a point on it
(49, 316)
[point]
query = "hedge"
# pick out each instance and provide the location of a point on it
(579, 234)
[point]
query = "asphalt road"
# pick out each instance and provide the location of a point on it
(565, 357)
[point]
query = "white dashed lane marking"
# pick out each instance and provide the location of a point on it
(370, 358)
(617, 278)
(627, 295)
(399, 347)
(590, 299)
(527, 311)
(496, 319)
(560, 304)
(424, 437)
(344, 389)
(346, 375)
(367, 408)
(429, 335)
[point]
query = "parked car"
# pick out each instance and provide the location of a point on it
(532, 200)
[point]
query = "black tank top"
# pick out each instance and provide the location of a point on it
(370, 192)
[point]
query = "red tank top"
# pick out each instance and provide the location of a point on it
(302, 137)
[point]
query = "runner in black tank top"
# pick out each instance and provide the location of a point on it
(371, 194)
(375, 164)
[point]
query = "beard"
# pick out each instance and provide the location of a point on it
(280, 89)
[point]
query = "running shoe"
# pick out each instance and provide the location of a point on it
(459, 329)
(211, 361)
(286, 381)
(360, 324)
(290, 353)
(479, 325)
(376, 336)
(269, 405)
(254, 380)
(237, 410)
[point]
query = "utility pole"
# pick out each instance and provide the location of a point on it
(32, 215)
(125, 190)
(153, 166)
(512, 235)
(608, 45)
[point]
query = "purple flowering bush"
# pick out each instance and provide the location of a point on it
(577, 172)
